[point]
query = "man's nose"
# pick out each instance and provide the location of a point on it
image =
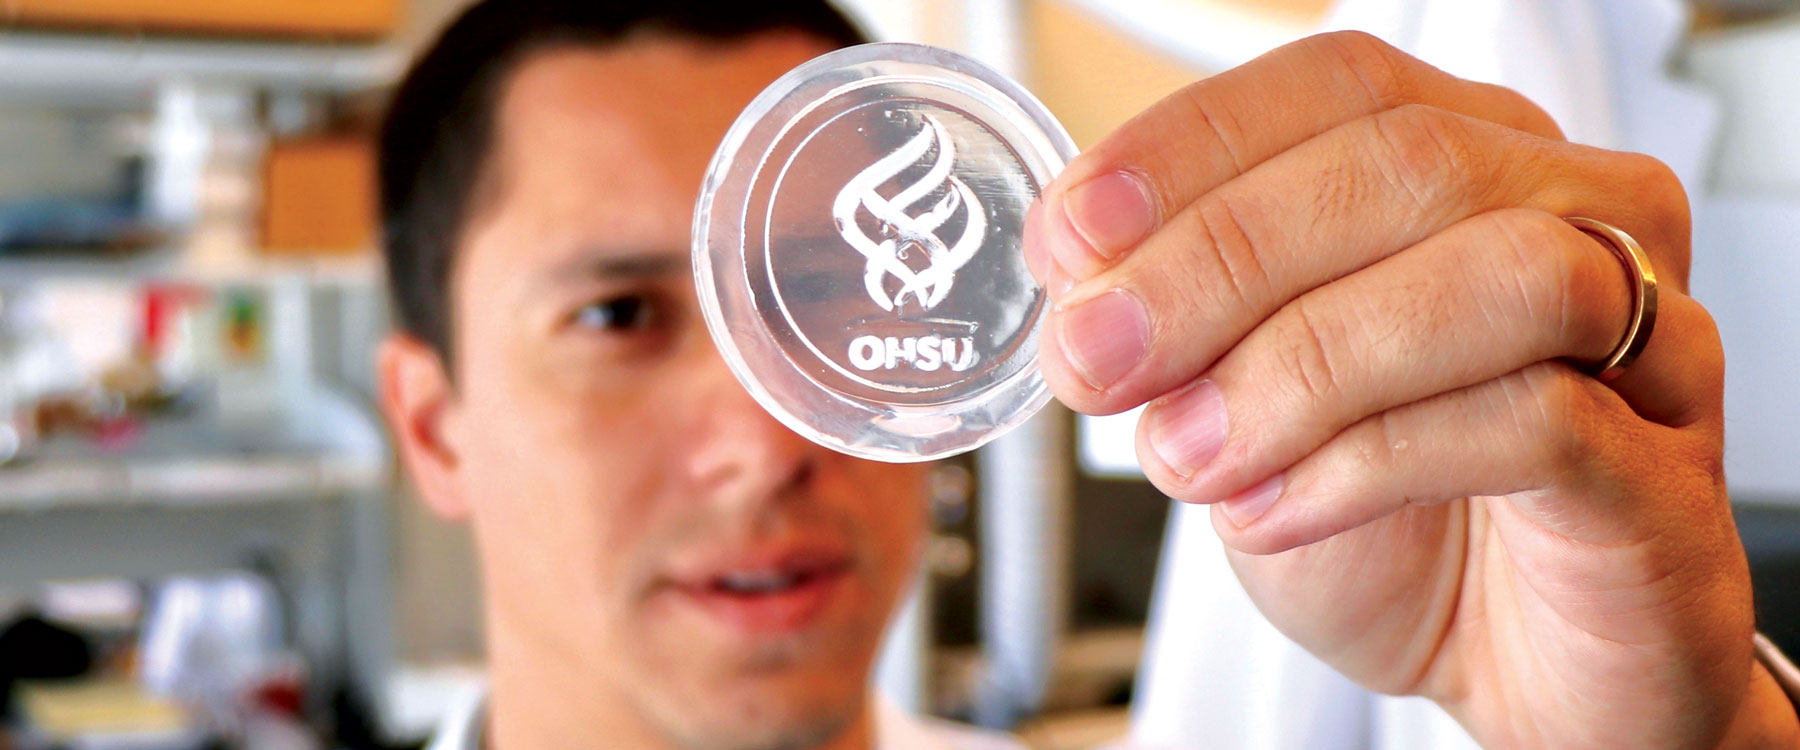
(739, 453)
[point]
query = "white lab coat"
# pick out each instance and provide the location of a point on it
(1215, 674)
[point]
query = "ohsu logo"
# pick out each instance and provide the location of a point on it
(903, 231)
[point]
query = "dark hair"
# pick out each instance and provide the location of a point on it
(439, 125)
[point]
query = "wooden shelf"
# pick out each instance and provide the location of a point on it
(171, 264)
(366, 19)
(196, 462)
(102, 65)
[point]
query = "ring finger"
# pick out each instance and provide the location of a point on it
(1488, 296)
(1541, 435)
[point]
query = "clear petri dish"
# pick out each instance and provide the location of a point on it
(857, 250)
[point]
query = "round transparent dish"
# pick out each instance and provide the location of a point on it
(857, 251)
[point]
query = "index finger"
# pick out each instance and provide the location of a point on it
(1200, 137)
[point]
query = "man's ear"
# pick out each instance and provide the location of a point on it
(417, 397)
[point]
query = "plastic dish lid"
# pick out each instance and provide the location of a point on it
(857, 248)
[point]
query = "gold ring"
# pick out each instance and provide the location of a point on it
(1642, 278)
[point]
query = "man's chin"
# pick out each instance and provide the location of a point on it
(782, 713)
(715, 685)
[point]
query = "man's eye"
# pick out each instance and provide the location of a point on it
(618, 314)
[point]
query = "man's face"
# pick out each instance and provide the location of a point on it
(640, 519)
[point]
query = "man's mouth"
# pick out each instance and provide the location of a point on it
(767, 594)
(760, 582)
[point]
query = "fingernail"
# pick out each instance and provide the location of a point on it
(1110, 213)
(1188, 430)
(1105, 337)
(1038, 259)
(1249, 505)
(1037, 254)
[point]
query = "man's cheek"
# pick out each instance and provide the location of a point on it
(888, 506)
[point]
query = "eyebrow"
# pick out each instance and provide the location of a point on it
(613, 265)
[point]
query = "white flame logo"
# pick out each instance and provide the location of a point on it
(903, 231)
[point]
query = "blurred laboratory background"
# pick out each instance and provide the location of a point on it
(205, 540)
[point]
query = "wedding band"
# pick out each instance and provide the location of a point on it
(1643, 296)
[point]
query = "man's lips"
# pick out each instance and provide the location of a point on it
(765, 592)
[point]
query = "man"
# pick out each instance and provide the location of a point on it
(1290, 261)
(663, 564)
